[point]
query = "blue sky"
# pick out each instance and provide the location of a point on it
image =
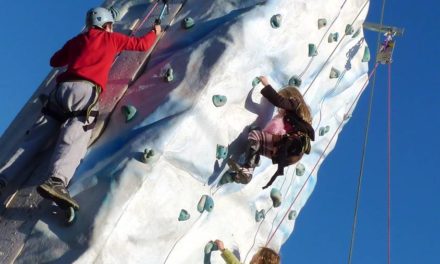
(31, 33)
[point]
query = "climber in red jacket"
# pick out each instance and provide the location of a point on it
(72, 106)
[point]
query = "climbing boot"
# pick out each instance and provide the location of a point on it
(54, 189)
(243, 175)
(252, 156)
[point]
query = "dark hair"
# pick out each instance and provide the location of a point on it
(266, 255)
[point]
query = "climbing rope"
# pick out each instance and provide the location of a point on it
(334, 50)
(389, 163)
(367, 126)
(322, 155)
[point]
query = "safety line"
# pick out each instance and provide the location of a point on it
(319, 159)
(334, 50)
(389, 163)
(145, 19)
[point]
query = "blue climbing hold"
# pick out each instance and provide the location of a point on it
(206, 203)
(259, 215)
(333, 37)
(312, 50)
(129, 112)
(292, 215)
(219, 100)
(255, 81)
(295, 80)
(324, 130)
(222, 152)
(147, 155)
(210, 246)
(188, 23)
(322, 22)
(334, 73)
(349, 29)
(275, 21)
(300, 169)
(169, 75)
(366, 56)
(184, 215)
(276, 197)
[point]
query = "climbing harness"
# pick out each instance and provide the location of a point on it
(51, 108)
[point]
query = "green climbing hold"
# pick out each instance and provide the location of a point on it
(219, 100)
(276, 197)
(205, 204)
(349, 29)
(334, 73)
(222, 152)
(255, 81)
(324, 130)
(184, 215)
(169, 75)
(300, 169)
(295, 80)
(333, 37)
(129, 112)
(188, 23)
(148, 153)
(366, 57)
(275, 21)
(259, 215)
(356, 33)
(292, 215)
(312, 50)
(322, 22)
(210, 246)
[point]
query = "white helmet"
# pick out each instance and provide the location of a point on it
(98, 16)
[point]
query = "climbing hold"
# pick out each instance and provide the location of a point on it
(292, 215)
(349, 29)
(169, 75)
(259, 215)
(129, 111)
(188, 23)
(255, 81)
(222, 152)
(333, 37)
(184, 215)
(334, 73)
(148, 153)
(366, 57)
(322, 22)
(211, 246)
(43, 98)
(275, 21)
(312, 50)
(324, 130)
(219, 100)
(205, 204)
(356, 33)
(295, 80)
(276, 197)
(300, 169)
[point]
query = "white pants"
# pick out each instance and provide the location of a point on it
(72, 139)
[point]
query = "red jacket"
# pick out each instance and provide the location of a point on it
(90, 55)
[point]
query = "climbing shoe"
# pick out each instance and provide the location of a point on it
(243, 175)
(54, 189)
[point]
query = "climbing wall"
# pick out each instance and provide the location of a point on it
(151, 188)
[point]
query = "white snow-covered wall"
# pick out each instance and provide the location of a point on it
(129, 209)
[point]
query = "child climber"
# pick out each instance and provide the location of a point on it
(284, 139)
(72, 107)
(264, 255)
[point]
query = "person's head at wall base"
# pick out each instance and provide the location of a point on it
(100, 18)
(265, 255)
